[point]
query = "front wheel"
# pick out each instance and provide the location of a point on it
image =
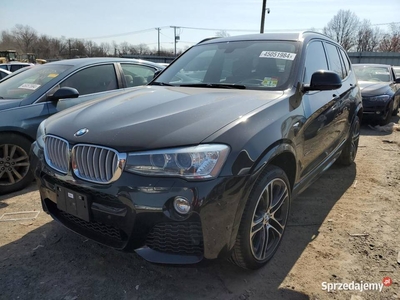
(14, 163)
(349, 151)
(264, 220)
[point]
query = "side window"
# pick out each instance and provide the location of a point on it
(93, 80)
(14, 68)
(315, 60)
(335, 64)
(346, 61)
(137, 75)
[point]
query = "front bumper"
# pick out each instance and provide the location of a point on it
(136, 212)
(375, 110)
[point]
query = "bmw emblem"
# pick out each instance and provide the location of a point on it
(81, 132)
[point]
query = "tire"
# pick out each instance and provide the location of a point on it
(386, 119)
(349, 151)
(14, 163)
(263, 223)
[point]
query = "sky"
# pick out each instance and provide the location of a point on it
(135, 21)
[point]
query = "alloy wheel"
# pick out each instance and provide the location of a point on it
(14, 164)
(269, 219)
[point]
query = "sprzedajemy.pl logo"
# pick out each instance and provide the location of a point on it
(356, 286)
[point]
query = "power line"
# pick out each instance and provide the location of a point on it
(122, 34)
(212, 29)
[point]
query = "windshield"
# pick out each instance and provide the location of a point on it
(28, 81)
(243, 64)
(372, 73)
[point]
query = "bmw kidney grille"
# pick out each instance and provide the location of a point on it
(91, 163)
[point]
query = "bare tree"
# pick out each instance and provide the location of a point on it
(124, 48)
(41, 47)
(222, 33)
(391, 41)
(368, 38)
(105, 49)
(7, 41)
(343, 28)
(25, 37)
(143, 49)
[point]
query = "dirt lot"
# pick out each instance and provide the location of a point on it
(342, 229)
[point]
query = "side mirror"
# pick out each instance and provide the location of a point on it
(323, 81)
(65, 92)
(397, 80)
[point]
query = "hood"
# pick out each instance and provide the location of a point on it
(373, 88)
(9, 103)
(156, 117)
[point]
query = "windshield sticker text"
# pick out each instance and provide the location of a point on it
(278, 54)
(29, 86)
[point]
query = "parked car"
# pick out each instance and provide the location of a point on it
(30, 95)
(4, 73)
(198, 167)
(14, 66)
(380, 91)
(396, 70)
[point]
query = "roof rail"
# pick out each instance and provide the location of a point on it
(207, 39)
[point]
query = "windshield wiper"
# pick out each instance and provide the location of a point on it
(160, 83)
(216, 85)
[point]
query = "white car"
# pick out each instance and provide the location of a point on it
(4, 73)
(396, 70)
(14, 66)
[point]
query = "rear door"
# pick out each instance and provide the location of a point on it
(343, 96)
(321, 110)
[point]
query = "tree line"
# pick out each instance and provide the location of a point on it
(25, 39)
(345, 28)
(359, 35)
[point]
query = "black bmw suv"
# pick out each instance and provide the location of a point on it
(205, 160)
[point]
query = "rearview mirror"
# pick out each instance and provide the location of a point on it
(65, 92)
(323, 81)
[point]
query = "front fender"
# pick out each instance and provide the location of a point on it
(274, 151)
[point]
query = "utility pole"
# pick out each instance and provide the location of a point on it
(176, 38)
(158, 30)
(264, 7)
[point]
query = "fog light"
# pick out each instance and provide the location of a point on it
(378, 112)
(181, 205)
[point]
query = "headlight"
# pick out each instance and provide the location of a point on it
(379, 98)
(41, 134)
(199, 162)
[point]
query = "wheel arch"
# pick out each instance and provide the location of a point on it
(17, 133)
(282, 155)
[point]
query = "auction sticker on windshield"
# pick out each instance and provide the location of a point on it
(29, 86)
(278, 54)
(270, 82)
